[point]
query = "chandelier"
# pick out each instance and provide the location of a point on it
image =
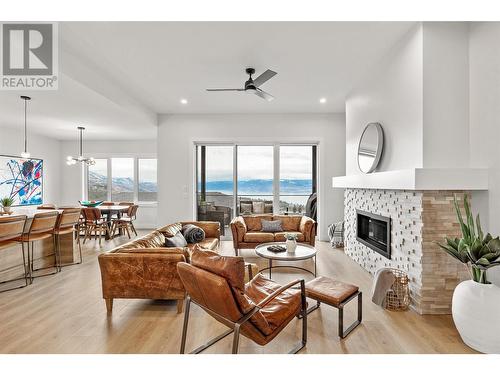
(70, 160)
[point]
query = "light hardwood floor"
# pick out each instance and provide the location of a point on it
(65, 313)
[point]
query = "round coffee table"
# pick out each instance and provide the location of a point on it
(302, 252)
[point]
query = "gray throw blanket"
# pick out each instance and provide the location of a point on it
(384, 278)
(192, 233)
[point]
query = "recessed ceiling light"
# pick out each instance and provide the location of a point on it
(322, 100)
(184, 101)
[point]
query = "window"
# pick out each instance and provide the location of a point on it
(260, 175)
(98, 180)
(296, 177)
(255, 177)
(147, 187)
(122, 179)
(215, 187)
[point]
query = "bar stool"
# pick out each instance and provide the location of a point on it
(68, 223)
(42, 227)
(11, 230)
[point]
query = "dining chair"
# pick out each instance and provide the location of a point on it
(68, 223)
(107, 203)
(126, 204)
(126, 222)
(42, 227)
(11, 230)
(94, 222)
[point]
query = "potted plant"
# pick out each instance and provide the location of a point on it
(291, 242)
(475, 301)
(6, 203)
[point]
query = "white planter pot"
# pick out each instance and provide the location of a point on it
(475, 309)
(291, 245)
(7, 210)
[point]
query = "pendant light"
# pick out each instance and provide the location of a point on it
(25, 154)
(70, 160)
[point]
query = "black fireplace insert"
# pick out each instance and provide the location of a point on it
(374, 231)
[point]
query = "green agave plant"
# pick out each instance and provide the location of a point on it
(6, 202)
(476, 250)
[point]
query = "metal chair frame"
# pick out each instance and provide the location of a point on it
(235, 326)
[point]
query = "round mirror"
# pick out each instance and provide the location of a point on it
(370, 147)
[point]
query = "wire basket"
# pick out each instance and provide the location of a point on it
(398, 298)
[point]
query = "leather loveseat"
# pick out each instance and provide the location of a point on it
(144, 268)
(247, 230)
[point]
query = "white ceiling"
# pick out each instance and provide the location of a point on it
(116, 76)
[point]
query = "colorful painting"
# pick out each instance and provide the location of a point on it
(22, 180)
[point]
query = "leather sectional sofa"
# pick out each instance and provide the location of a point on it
(247, 230)
(144, 268)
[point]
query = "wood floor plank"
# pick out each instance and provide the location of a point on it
(65, 313)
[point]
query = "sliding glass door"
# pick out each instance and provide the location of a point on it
(245, 179)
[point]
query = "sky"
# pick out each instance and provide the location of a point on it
(256, 162)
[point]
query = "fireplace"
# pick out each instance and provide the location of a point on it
(374, 231)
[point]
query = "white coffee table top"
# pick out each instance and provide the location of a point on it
(302, 251)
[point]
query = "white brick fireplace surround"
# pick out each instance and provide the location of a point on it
(419, 217)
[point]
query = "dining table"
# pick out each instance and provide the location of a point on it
(109, 212)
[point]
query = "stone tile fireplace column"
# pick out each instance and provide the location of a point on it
(418, 218)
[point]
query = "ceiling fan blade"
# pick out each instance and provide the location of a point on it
(263, 95)
(225, 89)
(264, 77)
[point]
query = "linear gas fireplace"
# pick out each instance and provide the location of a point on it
(374, 231)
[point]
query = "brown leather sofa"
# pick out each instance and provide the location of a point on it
(144, 268)
(247, 230)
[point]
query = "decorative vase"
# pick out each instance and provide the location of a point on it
(475, 307)
(291, 245)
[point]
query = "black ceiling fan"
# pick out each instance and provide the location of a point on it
(252, 85)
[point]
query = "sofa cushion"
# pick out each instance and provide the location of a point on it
(207, 243)
(258, 207)
(253, 222)
(153, 239)
(246, 208)
(280, 236)
(271, 225)
(289, 223)
(171, 229)
(258, 237)
(176, 241)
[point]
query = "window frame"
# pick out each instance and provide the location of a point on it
(136, 158)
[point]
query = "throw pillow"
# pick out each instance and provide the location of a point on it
(245, 208)
(258, 207)
(271, 226)
(175, 241)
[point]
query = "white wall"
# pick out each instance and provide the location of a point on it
(48, 149)
(391, 93)
(177, 134)
(71, 190)
(484, 130)
(446, 95)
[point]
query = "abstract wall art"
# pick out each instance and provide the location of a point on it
(22, 180)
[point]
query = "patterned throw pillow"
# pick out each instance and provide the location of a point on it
(258, 207)
(336, 234)
(271, 226)
(176, 241)
(246, 208)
